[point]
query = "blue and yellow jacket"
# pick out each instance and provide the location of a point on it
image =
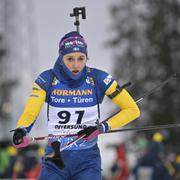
(72, 108)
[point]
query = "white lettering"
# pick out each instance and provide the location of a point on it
(82, 100)
(57, 100)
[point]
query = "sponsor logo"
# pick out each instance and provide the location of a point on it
(74, 100)
(92, 81)
(71, 43)
(82, 100)
(76, 49)
(55, 81)
(108, 79)
(82, 92)
(88, 80)
(76, 126)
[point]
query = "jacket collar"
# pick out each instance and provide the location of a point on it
(65, 78)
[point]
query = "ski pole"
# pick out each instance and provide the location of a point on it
(51, 137)
(137, 129)
(163, 83)
(147, 128)
(72, 142)
(156, 88)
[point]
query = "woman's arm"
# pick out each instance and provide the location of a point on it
(33, 107)
(129, 109)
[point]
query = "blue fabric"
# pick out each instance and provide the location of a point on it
(70, 74)
(62, 91)
(104, 127)
(44, 80)
(102, 82)
(28, 129)
(79, 165)
(65, 75)
(152, 160)
(153, 154)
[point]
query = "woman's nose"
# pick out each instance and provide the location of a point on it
(75, 64)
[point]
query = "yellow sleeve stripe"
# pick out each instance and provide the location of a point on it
(33, 106)
(129, 109)
(112, 88)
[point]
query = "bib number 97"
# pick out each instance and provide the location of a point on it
(65, 117)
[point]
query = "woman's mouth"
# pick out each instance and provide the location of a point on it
(75, 72)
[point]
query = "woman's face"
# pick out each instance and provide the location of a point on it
(75, 62)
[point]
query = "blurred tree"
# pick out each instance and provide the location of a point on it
(5, 86)
(146, 47)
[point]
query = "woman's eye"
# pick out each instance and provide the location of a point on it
(81, 58)
(70, 59)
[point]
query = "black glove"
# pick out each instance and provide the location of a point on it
(87, 131)
(18, 135)
(92, 132)
(56, 158)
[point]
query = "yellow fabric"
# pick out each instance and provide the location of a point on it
(33, 107)
(129, 109)
(12, 150)
(178, 159)
(158, 137)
